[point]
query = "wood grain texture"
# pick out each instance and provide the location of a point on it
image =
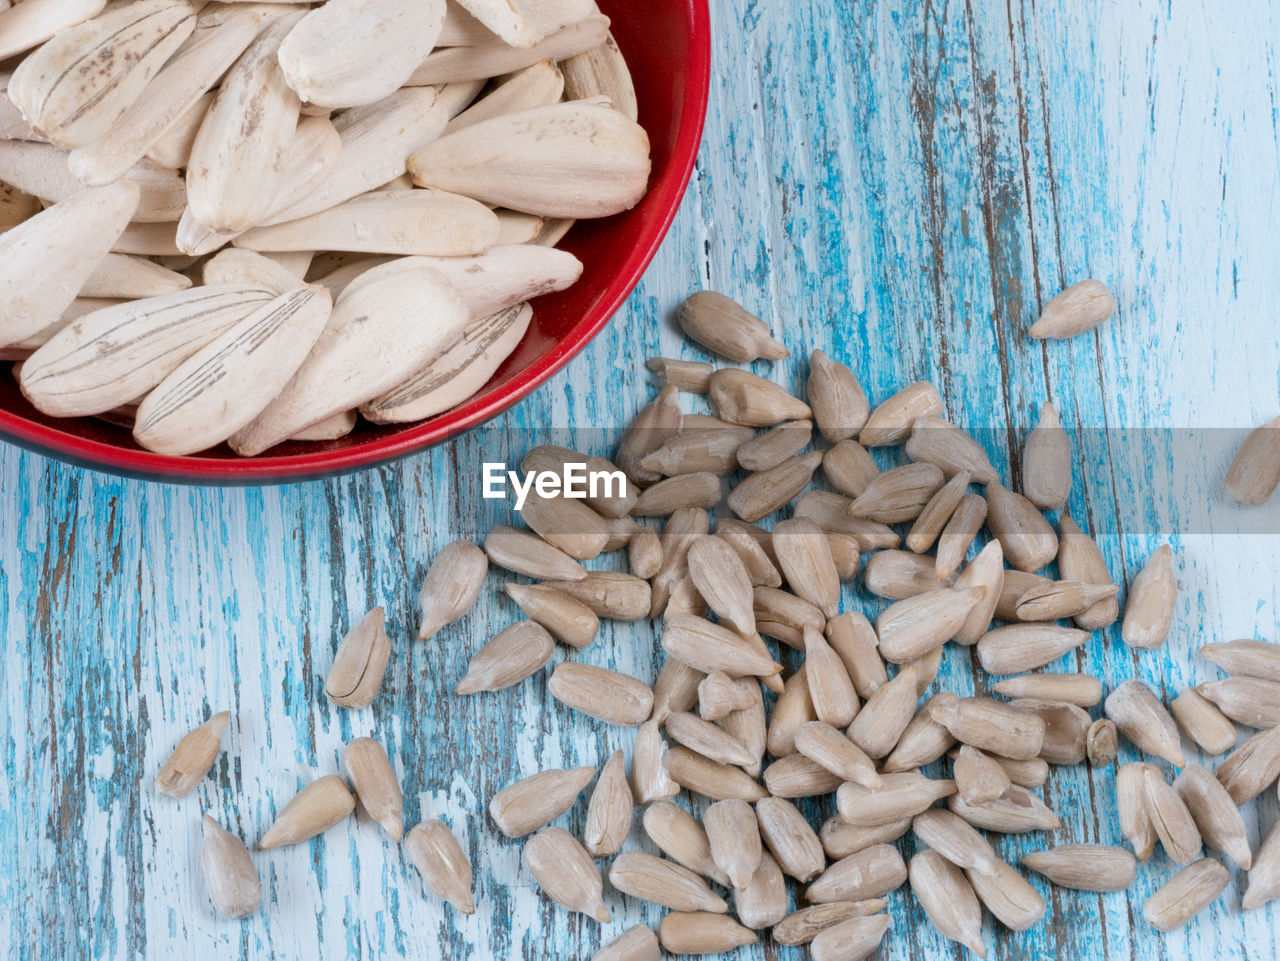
(901, 185)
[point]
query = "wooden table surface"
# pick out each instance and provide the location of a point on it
(901, 185)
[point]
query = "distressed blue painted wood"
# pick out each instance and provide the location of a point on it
(900, 184)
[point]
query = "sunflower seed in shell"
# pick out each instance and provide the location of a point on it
(704, 776)
(230, 878)
(1170, 818)
(734, 836)
(898, 494)
(1080, 307)
(870, 873)
(923, 741)
(850, 940)
(1082, 689)
(899, 795)
(231, 265)
(1252, 767)
(1148, 610)
(1141, 718)
(890, 422)
(1008, 896)
(1024, 647)
(801, 927)
(649, 430)
(611, 594)
(795, 775)
(728, 329)
(882, 720)
(1014, 584)
(148, 240)
(226, 188)
(841, 839)
(1264, 876)
(853, 638)
(361, 29)
(993, 726)
(721, 577)
(650, 779)
(224, 385)
(948, 899)
(839, 404)
(22, 28)
(458, 373)
(191, 760)
(1084, 867)
(824, 744)
(937, 441)
(317, 807)
(406, 223)
(40, 169)
(514, 653)
(1028, 541)
(1215, 815)
(916, 626)
(709, 647)
(831, 512)
(1186, 894)
(793, 708)
(1245, 657)
(1017, 811)
(566, 617)
(1102, 743)
(1250, 701)
(786, 833)
(979, 779)
(40, 272)
(960, 530)
(849, 468)
(638, 943)
(444, 866)
(527, 553)
(760, 567)
(702, 932)
(360, 663)
(1201, 721)
(601, 71)
(579, 159)
(663, 882)
(76, 86)
(1255, 470)
(565, 872)
(523, 806)
(682, 838)
(374, 780)
(953, 838)
(353, 363)
(708, 740)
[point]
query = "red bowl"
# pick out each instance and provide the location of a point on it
(667, 45)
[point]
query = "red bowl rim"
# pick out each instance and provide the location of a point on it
(97, 455)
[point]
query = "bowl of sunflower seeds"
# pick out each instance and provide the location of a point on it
(259, 242)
